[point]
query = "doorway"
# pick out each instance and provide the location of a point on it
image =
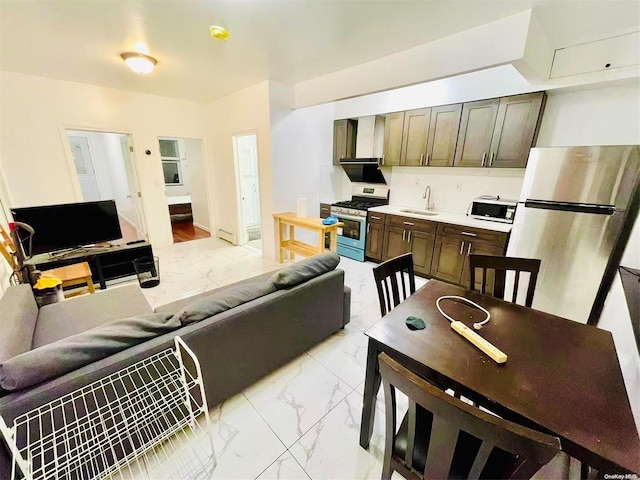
(185, 187)
(105, 167)
(245, 151)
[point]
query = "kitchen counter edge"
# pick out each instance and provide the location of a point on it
(445, 217)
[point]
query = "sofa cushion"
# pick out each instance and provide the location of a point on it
(222, 300)
(177, 305)
(305, 270)
(78, 350)
(78, 314)
(18, 315)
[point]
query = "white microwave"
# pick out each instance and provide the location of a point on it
(495, 209)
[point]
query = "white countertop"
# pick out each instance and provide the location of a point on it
(444, 217)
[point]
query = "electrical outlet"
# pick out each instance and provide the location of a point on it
(459, 186)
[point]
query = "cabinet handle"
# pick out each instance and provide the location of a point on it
(404, 234)
(422, 159)
(461, 247)
(469, 234)
(368, 228)
(409, 237)
(375, 218)
(484, 157)
(409, 223)
(469, 249)
(427, 162)
(382, 159)
(493, 155)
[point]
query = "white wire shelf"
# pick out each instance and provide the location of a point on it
(149, 420)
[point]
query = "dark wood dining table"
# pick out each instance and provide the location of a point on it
(561, 377)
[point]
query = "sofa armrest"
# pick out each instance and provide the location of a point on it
(346, 309)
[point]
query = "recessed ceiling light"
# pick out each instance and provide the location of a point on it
(218, 32)
(139, 62)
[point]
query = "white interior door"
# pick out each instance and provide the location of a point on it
(245, 151)
(248, 157)
(133, 186)
(84, 168)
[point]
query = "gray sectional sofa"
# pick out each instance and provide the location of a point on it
(239, 333)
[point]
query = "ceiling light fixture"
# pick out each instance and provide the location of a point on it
(139, 62)
(218, 32)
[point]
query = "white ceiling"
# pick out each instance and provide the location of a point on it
(283, 40)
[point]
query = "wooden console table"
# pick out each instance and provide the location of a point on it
(309, 223)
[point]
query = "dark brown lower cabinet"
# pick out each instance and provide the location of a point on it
(454, 244)
(404, 234)
(395, 243)
(374, 241)
(421, 246)
(448, 258)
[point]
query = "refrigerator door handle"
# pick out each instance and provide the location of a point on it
(571, 207)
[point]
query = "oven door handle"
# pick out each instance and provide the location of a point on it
(349, 217)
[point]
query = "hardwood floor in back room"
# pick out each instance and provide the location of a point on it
(185, 231)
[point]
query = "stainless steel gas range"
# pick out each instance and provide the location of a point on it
(353, 213)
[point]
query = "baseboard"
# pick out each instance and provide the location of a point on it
(202, 227)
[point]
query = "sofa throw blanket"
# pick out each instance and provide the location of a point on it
(222, 301)
(305, 270)
(57, 358)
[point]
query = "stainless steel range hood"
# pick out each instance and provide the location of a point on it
(365, 167)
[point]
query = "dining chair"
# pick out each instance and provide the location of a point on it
(443, 437)
(494, 275)
(388, 273)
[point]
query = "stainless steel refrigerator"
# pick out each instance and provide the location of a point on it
(575, 213)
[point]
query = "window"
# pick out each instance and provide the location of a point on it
(170, 156)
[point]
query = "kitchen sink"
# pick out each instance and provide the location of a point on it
(426, 213)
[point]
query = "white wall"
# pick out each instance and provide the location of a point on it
(246, 111)
(196, 176)
(607, 115)
(302, 151)
(301, 143)
(452, 189)
(35, 156)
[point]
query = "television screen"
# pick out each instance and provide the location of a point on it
(69, 225)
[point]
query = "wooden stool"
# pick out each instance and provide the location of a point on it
(76, 274)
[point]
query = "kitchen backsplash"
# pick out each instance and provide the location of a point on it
(452, 189)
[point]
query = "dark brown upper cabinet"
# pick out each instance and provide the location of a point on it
(476, 131)
(414, 136)
(516, 127)
(344, 139)
(393, 126)
(443, 135)
(499, 132)
(430, 135)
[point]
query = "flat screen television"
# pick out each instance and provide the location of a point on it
(69, 225)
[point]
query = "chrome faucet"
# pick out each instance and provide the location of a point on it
(427, 195)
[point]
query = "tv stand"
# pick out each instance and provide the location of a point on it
(107, 263)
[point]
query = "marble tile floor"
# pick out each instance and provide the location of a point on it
(303, 420)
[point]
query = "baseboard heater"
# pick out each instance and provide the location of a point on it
(227, 236)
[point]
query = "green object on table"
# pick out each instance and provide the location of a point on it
(415, 323)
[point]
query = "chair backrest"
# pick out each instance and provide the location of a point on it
(444, 437)
(494, 275)
(388, 273)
